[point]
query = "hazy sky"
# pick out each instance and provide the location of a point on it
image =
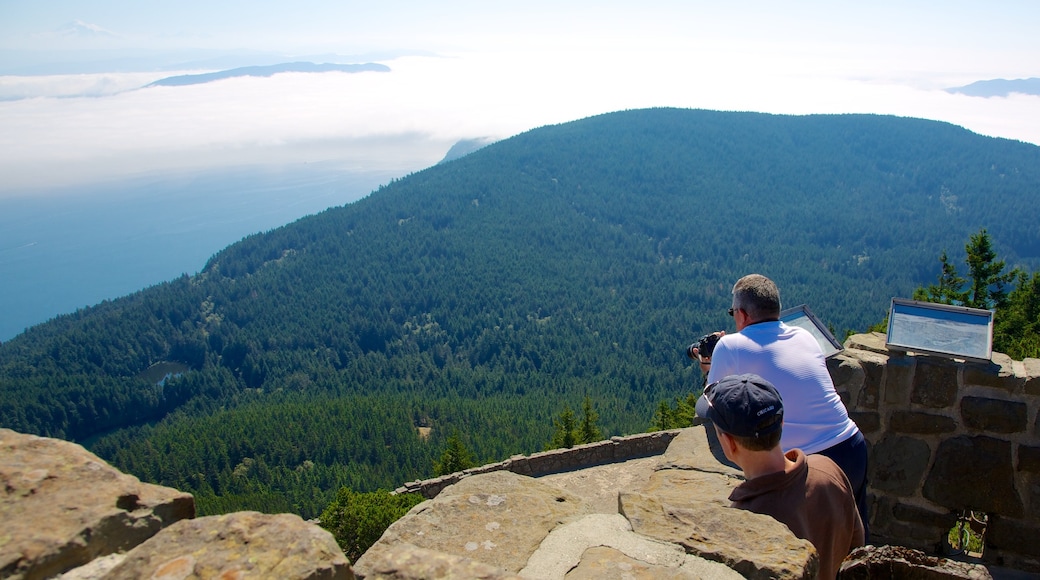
(464, 69)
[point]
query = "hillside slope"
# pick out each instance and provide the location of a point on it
(485, 293)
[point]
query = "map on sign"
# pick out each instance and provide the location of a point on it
(940, 329)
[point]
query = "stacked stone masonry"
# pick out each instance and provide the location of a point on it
(611, 450)
(947, 436)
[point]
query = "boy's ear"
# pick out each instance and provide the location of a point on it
(729, 445)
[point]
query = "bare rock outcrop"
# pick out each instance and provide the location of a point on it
(409, 562)
(692, 469)
(605, 563)
(498, 518)
(238, 545)
(62, 506)
(685, 501)
(755, 545)
(907, 564)
(604, 546)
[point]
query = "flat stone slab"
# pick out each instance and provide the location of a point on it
(604, 546)
(238, 545)
(603, 563)
(599, 485)
(62, 506)
(408, 562)
(497, 518)
(755, 545)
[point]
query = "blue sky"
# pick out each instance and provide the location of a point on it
(462, 69)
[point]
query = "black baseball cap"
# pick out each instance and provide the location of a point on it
(743, 405)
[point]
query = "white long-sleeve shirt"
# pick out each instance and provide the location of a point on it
(790, 358)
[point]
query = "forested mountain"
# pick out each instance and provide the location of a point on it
(483, 294)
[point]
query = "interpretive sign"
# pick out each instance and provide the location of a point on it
(940, 329)
(803, 317)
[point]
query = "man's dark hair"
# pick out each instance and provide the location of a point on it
(762, 442)
(758, 296)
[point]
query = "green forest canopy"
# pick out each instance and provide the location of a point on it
(484, 294)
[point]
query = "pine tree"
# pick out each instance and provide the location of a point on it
(681, 416)
(1016, 330)
(588, 431)
(987, 273)
(948, 290)
(456, 457)
(357, 520)
(565, 435)
(1016, 323)
(664, 417)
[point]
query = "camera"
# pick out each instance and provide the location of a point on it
(705, 345)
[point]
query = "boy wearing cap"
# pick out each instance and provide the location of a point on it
(810, 494)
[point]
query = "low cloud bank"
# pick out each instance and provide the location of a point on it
(57, 130)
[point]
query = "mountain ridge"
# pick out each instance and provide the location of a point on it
(999, 88)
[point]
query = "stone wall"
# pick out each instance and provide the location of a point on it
(612, 450)
(947, 436)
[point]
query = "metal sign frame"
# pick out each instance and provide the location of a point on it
(803, 317)
(944, 330)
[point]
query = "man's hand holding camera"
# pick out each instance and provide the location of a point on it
(701, 350)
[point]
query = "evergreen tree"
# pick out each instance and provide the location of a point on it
(948, 290)
(588, 431)
(987, 273)
(1016, 330)
(663, 417)
(456, 457)
(678, 417)
(566, 434)
(357, 520)
(1016, 322)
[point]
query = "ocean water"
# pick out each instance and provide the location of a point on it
(67, 249)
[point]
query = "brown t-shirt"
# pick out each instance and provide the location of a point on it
(814, 499)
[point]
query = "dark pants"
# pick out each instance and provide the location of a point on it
(851, 457)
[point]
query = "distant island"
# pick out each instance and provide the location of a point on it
(999, 88)
(266, 71)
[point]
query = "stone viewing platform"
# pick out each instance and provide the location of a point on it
(663, 516)
(657, 517)
(945, 437)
